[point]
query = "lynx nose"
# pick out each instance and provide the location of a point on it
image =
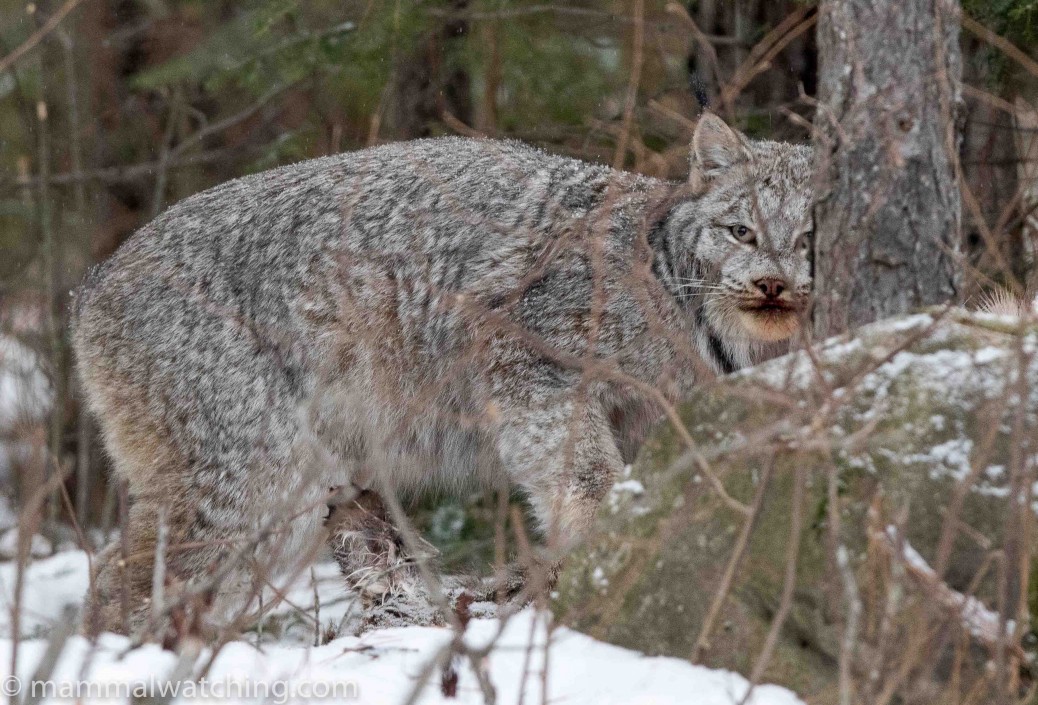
(771, 287)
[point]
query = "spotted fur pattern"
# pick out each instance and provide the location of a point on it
(419, 315)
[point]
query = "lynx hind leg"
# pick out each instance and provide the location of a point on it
(113, 592)
(200, 590)
(119, 597)
(376, 563)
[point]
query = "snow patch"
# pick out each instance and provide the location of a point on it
(25, 393)
(981, 622)
(25, 398)
(380, 667)
(38, 545)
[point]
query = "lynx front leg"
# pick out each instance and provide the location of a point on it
(565, 458)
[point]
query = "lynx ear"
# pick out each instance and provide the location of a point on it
(715, 146)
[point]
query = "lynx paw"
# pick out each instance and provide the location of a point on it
(372, 555)
(517, 584)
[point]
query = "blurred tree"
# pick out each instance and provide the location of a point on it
(889, 210)
(992, 234)
(997, 199)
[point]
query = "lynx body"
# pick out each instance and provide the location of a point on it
(418, 315)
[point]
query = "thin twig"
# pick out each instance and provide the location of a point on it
(37, 36)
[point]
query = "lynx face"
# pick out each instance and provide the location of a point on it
(750, 232)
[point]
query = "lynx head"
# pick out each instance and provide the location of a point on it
(740, 244)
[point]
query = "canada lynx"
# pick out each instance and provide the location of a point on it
(422, 314)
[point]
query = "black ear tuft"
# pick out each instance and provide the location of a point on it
(698, 88)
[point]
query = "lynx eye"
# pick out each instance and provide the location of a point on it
(744, 234)
(806, 243)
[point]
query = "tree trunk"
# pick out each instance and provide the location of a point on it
(888, 214)
(1027, 149)
(426, 88)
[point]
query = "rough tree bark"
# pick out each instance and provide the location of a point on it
(888, 214)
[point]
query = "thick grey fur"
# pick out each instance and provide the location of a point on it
(422, 314)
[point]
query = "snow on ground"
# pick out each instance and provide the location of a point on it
(25, 397)
(378, 667)
(24, 390)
